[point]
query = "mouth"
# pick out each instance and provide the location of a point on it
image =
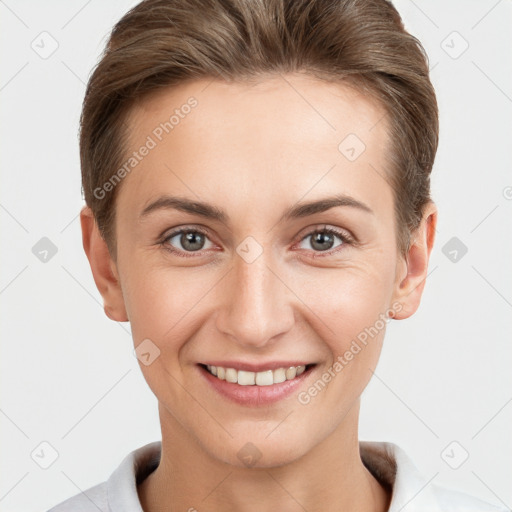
(256, 385)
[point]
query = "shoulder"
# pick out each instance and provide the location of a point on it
(93, 499)
(119, 492)
(413, 491)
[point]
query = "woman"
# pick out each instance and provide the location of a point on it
(256, 176)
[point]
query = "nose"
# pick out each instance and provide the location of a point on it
(257, 305)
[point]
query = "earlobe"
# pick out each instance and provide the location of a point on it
(409, 287)
(103, 268)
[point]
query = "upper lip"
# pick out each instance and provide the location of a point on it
(256, 367)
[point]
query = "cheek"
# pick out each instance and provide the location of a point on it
(164, 307)
(351, 309)
(161, 304)
(348, 300)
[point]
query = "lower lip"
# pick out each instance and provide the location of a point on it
(255, 395)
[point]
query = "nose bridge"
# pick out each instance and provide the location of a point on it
(256, 309)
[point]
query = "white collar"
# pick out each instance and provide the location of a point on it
(411, 491)
(392, 466)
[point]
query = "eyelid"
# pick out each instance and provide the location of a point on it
(168, 234)
(344, 234)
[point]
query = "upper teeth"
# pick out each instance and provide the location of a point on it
(265, 378)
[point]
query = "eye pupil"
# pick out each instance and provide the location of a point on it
(320, 238)
(189, 240)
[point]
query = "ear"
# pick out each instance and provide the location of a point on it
(104, 269)
(413, 270)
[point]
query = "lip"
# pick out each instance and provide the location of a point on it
(255, 396)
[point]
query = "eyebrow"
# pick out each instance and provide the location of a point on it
(212, 212)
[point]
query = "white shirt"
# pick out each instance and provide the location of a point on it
(412, 492)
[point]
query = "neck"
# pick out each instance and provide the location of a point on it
(330, 477)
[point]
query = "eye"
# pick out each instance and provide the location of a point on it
(323, 240)
(188, 240)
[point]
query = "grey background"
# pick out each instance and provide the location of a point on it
(68, 375)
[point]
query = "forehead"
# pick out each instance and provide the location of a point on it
(284, 102)
(240, 139)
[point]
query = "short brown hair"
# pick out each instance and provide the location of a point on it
(361, 43)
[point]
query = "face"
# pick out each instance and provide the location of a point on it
(257, 280)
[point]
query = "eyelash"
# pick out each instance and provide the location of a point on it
(344, 237)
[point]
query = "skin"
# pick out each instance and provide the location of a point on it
(254, 150)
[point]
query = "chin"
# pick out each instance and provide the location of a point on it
(259, 450)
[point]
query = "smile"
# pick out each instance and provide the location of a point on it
(262, 378)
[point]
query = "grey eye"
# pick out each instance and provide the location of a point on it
(189, 240)
(323, 240)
